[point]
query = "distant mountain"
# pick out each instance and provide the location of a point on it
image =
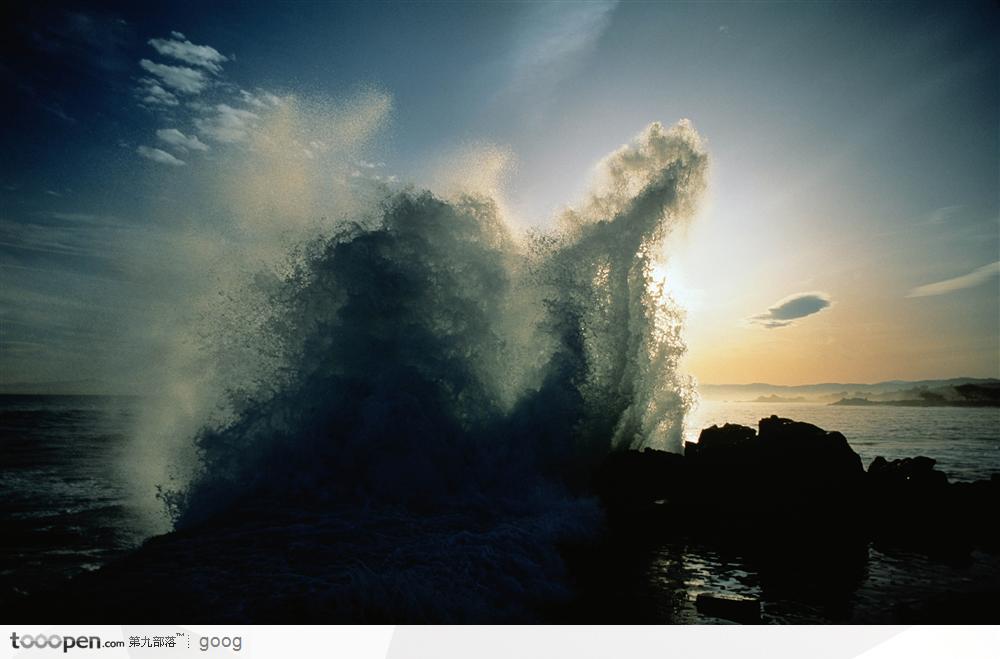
(962, 395)
(890, 390)
(774, 398)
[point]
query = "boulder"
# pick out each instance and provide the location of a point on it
(630, 479)
(737, 608)
(724, 442)
(808, 451)
(795, 481)
(789, 467)
(907, 475)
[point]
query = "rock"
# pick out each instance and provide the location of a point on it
(911, 504)
(725, 471)
(909, 473)
(788, 469)
(803, 447)
(793, 482)
(641, 478)
(722, 442)
(740, 609)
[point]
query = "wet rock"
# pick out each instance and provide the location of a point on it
(805, 450)
(789, 469)
(793, 482)
(740, 609)
(641, 478)
(911, 473)
(722, 443)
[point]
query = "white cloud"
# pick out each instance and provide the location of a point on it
(261, 99)
(181, 78)
(159, 155)
(228, 125)
(974, 278)
(555, 37)
(179, 48)
(787, 310)
(177, 139)
(152, 93)
(250, 99)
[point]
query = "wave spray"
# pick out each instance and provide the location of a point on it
(437, 387)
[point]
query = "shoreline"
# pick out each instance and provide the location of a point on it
(787, 521)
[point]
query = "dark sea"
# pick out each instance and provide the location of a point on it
(65, 500)
(67, 504)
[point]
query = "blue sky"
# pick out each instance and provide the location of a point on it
(854, 159)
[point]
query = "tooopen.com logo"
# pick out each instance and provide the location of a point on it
(55, 641)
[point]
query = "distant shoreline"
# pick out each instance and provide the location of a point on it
(864, 402)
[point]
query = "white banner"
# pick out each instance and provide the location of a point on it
(502, 642)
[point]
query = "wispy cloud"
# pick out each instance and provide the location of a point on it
(262, 99)
(60, 232)
(974, 278)
(151, 92)
(183, 79)
(943, 214)
(179, 48)
(788, 310)
(554, 38)
(160, 156)
(227, 125)
(201, 105)
(179, 140)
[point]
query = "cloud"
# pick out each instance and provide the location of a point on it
(181, 78)
(177, 139)
(228, 125)
(787, 310)
(74, 217)
(262, 99)
(943, 214)
(56, 110)
(159, 155)
(554, 39)
(152, 93)
(57, 232)
(179, 48)
(974, 278)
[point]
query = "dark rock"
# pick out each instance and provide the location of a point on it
(721, 442)
(725, 467)
(910, 473)
(641, 478)
(809, 451)
(729, 607)
(793, 483)
(790, 469)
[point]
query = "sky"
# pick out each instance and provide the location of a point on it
(850, 232)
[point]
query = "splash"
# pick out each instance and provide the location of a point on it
(425, 361)
(427, 353)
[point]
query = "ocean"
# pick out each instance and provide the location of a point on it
(67, 502)
(65, 497)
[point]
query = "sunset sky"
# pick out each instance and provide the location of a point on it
(851, 231)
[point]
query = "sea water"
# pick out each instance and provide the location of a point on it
(66, 508)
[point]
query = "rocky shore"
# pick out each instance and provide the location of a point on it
(793, 480)
(795, 502)
(787, 506)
